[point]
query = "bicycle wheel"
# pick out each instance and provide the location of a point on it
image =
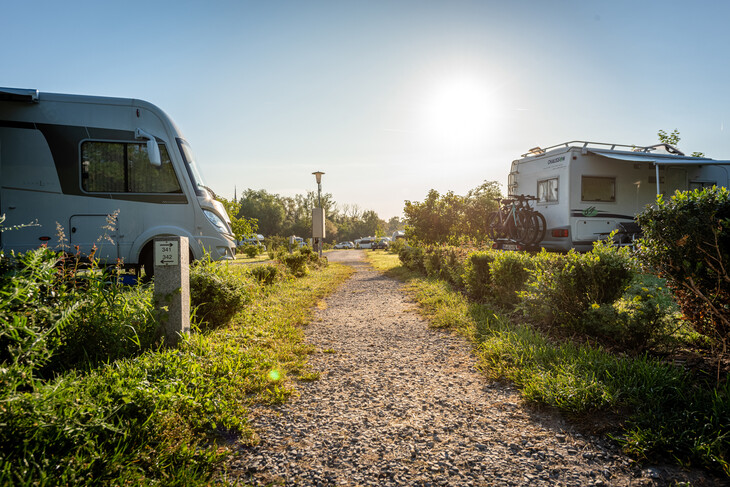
(541, 227)
(520, 227)
(494, 225)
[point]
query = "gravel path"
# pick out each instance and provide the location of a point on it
(401, 404)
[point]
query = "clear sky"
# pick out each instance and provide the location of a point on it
(390, 98)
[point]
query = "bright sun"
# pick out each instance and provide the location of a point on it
(459, 112)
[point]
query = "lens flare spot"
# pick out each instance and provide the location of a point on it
(274, 375)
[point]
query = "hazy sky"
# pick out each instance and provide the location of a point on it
(388, 98)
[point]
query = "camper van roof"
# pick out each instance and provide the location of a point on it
(585, 145)
(18, 94)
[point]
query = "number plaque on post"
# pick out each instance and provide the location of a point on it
(172, 286)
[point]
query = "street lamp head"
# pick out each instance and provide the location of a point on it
(318, 175)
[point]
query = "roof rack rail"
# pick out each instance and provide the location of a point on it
(537, 151)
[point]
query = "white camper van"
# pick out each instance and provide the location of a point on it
(75, 160)
(586, 190)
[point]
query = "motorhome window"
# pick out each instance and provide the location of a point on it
(598, 189)
(701, 185)
(547, 190)
(191, 167)
(122, 167)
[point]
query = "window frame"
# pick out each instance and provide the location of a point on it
(612, 179)
(126, 168)
(557, 191)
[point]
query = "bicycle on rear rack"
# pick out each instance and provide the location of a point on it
(517, 221)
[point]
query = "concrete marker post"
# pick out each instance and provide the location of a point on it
(172, 287)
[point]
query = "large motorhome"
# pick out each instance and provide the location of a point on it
(586, 190)
(109, 173)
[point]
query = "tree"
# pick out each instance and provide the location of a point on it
(266, 208)
(673, 140)
(451, 218)
(241, 226)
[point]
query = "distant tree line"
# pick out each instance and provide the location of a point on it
(285, 216)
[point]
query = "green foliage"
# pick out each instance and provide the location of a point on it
(451, 219)
(564, 287)
(217, 292)
(266, 273)
(251, 251)
(150, 420)
(412, 258)
(239, 224)
(640, 319)
(671, 139)
(477, 274)
(687, 241)
(301, 260)
(509, 273)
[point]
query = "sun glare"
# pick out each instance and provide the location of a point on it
(459, 112)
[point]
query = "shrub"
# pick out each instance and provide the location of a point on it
(412, 258)
(639, 319)
(564, 287)
(296, 262)
(217, 292)
(508, 275)
(251, 251)
(477, 274)
(266, 273)
(687, 241)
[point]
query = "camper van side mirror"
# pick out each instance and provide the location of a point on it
(153, 150)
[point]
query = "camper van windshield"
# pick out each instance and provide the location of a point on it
(192, 167)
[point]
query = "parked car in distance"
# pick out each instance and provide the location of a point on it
(365, 243)
(344, 245)
(382, 243)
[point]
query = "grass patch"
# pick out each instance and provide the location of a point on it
(164, 416)
(664, 411)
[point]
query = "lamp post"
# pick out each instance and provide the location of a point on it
(318, 214)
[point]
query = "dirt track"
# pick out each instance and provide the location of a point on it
(399, 403)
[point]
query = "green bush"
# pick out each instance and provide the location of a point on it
(217, 293)
(643, 317)
(251, 251)
(508, 275)
(687, 240)
(477, 274)
(564, 287)
(296, 262)
(412, 258)
(266, 273)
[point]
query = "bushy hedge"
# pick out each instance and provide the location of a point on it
(600, 293)
(217, 292)
(299, 261)
(687, 241)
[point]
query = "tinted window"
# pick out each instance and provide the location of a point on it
(122, 167)
(598, 189)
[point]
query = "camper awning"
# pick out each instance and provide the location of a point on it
(659, 159)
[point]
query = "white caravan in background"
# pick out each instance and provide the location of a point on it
(75, 160)
(586, 190)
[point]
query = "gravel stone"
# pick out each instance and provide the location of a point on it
(401, 404)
